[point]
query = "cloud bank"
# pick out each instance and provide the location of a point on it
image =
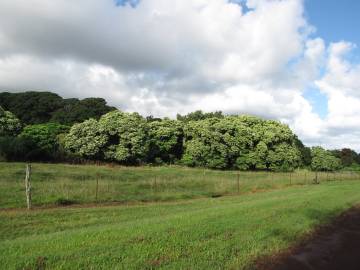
(162, 57)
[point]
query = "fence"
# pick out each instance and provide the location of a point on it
(66, 184)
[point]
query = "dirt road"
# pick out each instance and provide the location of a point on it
(336, 246)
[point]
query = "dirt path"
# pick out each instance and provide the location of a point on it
(336, 246)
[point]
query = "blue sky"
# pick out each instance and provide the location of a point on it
(334, 21)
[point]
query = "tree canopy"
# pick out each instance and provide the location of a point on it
(45, 136)
(243, 142)
(44, 126)
(42, 107)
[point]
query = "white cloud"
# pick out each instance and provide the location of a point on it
(341, 85)
(165, 57)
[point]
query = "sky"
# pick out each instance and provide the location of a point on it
(296, 61)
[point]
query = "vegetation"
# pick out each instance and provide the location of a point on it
(220, 233)
(43, 107)
(45, 137)
(73, 130)
(9, 124)
(323, 160)
(241, 142)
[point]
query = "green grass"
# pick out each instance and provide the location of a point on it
(208, 233)
(59, 183)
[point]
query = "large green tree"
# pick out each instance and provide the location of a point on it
(243, 142)
(127, 133)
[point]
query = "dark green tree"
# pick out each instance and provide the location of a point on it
(45, 137)
(31, 107)
(165, 141)
(77, 111)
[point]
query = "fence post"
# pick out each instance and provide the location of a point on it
(238, 182)
(316, 180)
(28, 185)
(305, 180)
(97, 187)
(155, 183)
(290, 178)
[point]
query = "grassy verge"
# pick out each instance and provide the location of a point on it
(66, 184)
(209, 233)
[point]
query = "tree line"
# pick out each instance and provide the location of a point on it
(42, 126)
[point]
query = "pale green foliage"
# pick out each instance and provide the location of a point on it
(86, 139)
(204, 144)
(9, 124)
(323, 160)
(284, 157)
(127, 134)
(243, 142)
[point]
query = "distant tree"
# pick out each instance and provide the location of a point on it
(199, 115)
(31, 107)
(9, 124)
(324, 160)
(348, 157)
(305, 153)
(77, 111)
(151, 118)
(43, 107)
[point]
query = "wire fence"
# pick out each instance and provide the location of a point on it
(65, 184)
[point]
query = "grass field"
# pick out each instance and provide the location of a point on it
(57, 183)
(208, 233)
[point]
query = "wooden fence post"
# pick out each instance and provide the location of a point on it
(316, 180)
(28, 185)
(238, 182)
(97, 187)
(290, 178)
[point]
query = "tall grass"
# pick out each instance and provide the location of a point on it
(63, 184)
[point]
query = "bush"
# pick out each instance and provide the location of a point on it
(19, 149)
(45, 138)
